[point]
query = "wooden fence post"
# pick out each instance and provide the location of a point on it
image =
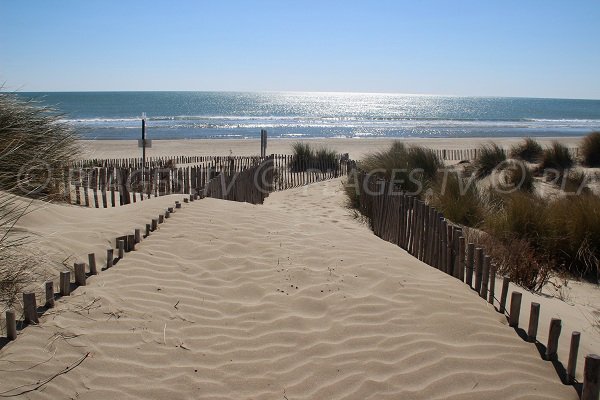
(80, 274)
(138, 235)
(154, 224)
(11, 325)
(553, 336)
(492, 289)
(109, 258)
(49, 285)
(92, 262)
(503, 295)
(485, 277)
(534, 318)
(460, 265)
(470, 264)
(591, 378)
(65, 283)
(573, 351)
(478, 268)
(515, 309)
(130, 243)
(30, 308)
(121, 248)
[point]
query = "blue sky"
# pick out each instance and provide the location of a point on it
(482, 48)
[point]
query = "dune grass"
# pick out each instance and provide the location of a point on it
(564, 231)
(305, 157)
(530, 237)
(34, 147)
(459, 200)
(490, 157)
(528, 150)
(590, 150)
(302, 154)
(325, 159)
(411, 169)
(518, 176)
(556, 157)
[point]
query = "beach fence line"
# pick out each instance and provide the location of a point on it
(69, 280)
(423, 232)
(252, 185)
(111, 183)
(473, 153)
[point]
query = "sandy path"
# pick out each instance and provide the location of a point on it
(290, 300)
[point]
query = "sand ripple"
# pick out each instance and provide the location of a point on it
(293, 299)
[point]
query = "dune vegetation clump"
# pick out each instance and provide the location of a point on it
(411, 169)
(529, 236)
(556, 158)
(489, 158)
(529, 150)
(518, 176)
(305, 157)
(590, 150)
(459, 199)
(35, 146)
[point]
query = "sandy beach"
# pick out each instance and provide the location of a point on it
(291, 299)
(232, 200)
(356, 148)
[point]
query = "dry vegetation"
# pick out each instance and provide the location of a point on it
(34, 148)
(305, 157)
(529, 237)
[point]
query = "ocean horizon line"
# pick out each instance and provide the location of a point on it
(308, 92)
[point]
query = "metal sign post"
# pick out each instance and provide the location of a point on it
(143, 140)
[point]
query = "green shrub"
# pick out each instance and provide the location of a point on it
(459, 200)
(575, 233)
(520, 216)
(590, 150)
(489, 158)
(302, 156)
(305, 158)
(556, 157)
(35, 146)
(564, 231)
(412, 169)
(325, 160)
(528, 150)
(426, 160)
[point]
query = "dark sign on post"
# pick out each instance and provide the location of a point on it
(263, 143)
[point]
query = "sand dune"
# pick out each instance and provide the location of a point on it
(290, 300)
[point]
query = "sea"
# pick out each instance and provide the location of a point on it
(242, 115)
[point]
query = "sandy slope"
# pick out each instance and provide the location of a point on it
(290, 300)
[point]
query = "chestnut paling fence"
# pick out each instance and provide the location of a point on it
(244, 180)
(423, 231)
(109, 183)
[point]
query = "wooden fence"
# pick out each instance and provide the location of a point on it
(471, 154)
(111, 184)
(252, 185)
(424, 232)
